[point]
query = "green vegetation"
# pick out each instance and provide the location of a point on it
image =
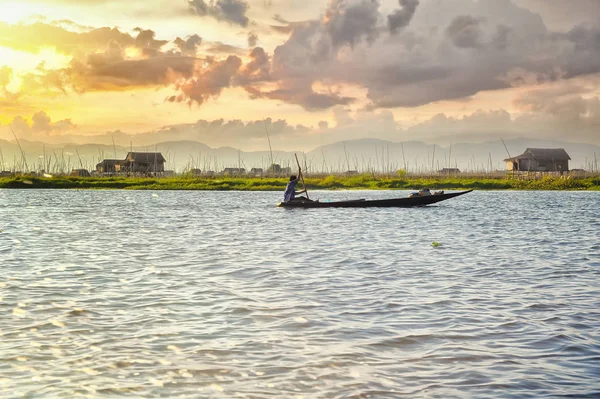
(331, 182)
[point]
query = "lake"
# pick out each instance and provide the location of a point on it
(221, 294)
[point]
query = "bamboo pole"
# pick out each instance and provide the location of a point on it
(302, 177)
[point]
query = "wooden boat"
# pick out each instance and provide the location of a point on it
(408, 202)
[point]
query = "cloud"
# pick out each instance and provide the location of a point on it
(6, 75)
(40, 123)
(564, 15)
(189, 46)
(35, 37)
(257, 70)
(349, 21)
(423, 64)
(44, 81)
(218, 132)
(400, 19)
(223, 49)
(546, 113)
(209, 81)
(252, 39)
(43, 123)
(145, 40)
(232, 11)
(562, 108)
(110, 68)
(301, 94)
(448, 50)
(111, 71)
(464, 32)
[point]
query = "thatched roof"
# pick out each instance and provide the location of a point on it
(110, 162)
(542, 154)
(145, 157)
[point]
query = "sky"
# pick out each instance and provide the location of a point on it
(225, 72)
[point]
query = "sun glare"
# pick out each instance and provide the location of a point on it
(23, 61)
(132, 52)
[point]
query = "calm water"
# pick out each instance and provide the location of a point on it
(221, 294)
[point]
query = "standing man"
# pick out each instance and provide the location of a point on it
(290, 189)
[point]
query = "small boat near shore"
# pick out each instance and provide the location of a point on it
(409, 202)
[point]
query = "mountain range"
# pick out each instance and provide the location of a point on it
(360, 155)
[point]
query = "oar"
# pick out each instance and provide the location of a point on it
(302, 176)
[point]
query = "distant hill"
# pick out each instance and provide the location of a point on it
(360, 155)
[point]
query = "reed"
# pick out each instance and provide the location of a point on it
(369, 181)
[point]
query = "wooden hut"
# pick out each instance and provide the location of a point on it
(109, 166)
(256, 172)
(449, 171)
(80, 173)
(540, 160)
(144, 162)
(135, 162)
(234, 171)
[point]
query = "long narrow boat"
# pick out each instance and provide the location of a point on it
(383, 203)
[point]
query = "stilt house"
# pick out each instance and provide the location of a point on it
(540, 160)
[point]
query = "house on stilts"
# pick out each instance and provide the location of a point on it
(540, 160)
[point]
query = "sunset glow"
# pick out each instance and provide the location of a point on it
(135, 67)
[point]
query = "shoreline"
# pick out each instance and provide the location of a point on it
(331, 182)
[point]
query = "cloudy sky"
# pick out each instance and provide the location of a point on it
(440, 71)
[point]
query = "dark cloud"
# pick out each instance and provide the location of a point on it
(464, 31)
(252, 39)
(308, 99)
(302, 94)
(512, 46)
(232, 11)
(189, 46)
(222, 48)
(501, 38)
(145, 40)
(581, 56)
(286, 26)
(349, 21)
(285, 30)
(280, 19)
(400, 19)
(257, 70)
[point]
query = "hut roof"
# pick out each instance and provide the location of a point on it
(109, 162)
(450, 170)
(145, 157)
(550, 154)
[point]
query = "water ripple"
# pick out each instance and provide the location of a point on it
(221, 294)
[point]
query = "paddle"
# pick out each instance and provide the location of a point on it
(302, 176)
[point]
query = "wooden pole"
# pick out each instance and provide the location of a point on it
(20, 148)
(270, 149)
(302, 176)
